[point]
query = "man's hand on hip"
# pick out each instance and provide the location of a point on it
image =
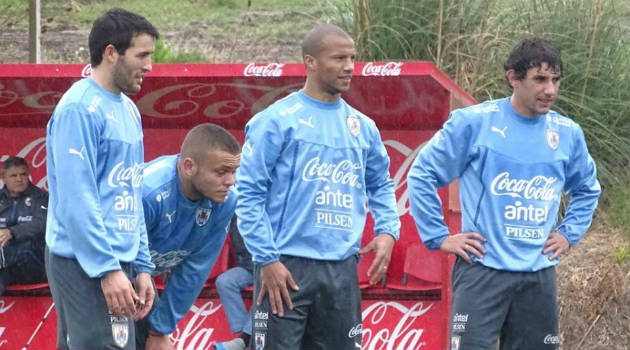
(463, 244)
(556, 243)
(119, 293)
(274, 279)
(382, 245)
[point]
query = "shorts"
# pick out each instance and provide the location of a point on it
(326, 310)
(514, 310)
(83, 318)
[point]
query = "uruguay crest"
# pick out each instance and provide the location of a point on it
(353, 125)
(120, 330)
(553, 140)
(203, 214)
(260, 341)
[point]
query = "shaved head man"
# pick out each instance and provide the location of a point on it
(303, 221)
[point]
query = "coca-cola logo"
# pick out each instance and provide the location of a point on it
(193, 334)
(538, 187)
(354, 331)
(121, 176)
(340, 173)
(86, 71)
(385, 69)
(402, 335)
(551, 339)
(266, 70)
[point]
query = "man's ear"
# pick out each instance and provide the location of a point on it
(310, 62)
(110, 54)
(189, 167)
(510, 75)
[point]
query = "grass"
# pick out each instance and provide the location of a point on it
(205, 28)
(622, 255)
(618, 204)
(164, 14)
(165, 54)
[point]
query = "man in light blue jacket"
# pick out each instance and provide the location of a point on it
(188, 203)
(312, 165)
(514, 158)
(95, 228)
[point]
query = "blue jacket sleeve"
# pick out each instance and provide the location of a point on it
(186, 280)
(583, 188)
(143, 260)
(441, 160)
(149, 222)
(380, 189)
(263, 144)
(80, 209)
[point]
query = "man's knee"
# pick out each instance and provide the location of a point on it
(223, 283)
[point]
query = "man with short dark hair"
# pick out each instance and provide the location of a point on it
(23, 208)
(188, 203)
(96, 236)
(311, 163)
(514, 157)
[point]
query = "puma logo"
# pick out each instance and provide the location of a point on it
(78, 153)
(308, 122)
(170, 216)
(499, 131)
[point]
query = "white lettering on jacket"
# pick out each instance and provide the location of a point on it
(537, 188)
(125, 177)
(340, 173)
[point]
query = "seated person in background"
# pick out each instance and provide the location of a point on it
(23, 208)
(188, 205)
(229, 285)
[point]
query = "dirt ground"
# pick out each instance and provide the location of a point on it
(594, 299)
(594, 302)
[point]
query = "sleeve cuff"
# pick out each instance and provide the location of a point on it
(435, 243)
(388, 233)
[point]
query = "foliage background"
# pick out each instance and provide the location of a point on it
(470, 41)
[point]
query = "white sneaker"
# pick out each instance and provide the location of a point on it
(234, 344)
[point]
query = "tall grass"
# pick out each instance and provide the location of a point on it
(470, 41)
(165, 54)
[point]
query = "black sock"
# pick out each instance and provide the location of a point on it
(245, 337)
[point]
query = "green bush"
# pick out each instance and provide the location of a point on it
(164, 54)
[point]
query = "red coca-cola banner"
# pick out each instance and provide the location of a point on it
(31, 323)
(410, 95)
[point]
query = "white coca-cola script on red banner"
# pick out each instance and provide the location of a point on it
(387, 325)
(382, 69)
(263, 70)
